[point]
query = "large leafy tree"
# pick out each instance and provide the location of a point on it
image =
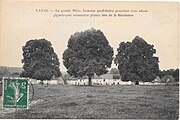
(40, 60)
(136, 61)
(88, 53)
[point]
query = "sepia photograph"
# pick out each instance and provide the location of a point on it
(89, 60)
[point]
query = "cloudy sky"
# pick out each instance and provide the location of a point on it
(20, 22)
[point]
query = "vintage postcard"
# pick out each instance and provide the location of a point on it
(89, 60)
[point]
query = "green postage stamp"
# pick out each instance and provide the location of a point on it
(15, 92)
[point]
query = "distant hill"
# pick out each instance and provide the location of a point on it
(13, 71)
(9, 71)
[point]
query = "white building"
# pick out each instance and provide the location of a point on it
(99, 82)
(49, 82)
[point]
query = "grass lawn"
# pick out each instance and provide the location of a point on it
(121, 102)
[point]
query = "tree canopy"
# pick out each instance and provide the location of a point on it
(88, 53)
(176, 74)
(173, 72)
(136, 62)
(40, 60)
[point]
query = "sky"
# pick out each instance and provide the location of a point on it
(20, 22)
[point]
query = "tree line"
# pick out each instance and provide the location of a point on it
(89, 53)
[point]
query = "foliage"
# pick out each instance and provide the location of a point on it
(136, 62)
(176, 74)
(173, 72)
(43, 74)
(40, 60)
(88, 53)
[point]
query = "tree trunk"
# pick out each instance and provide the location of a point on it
(90, 82)
(42, 83)
(137, 82)
(65, 82)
